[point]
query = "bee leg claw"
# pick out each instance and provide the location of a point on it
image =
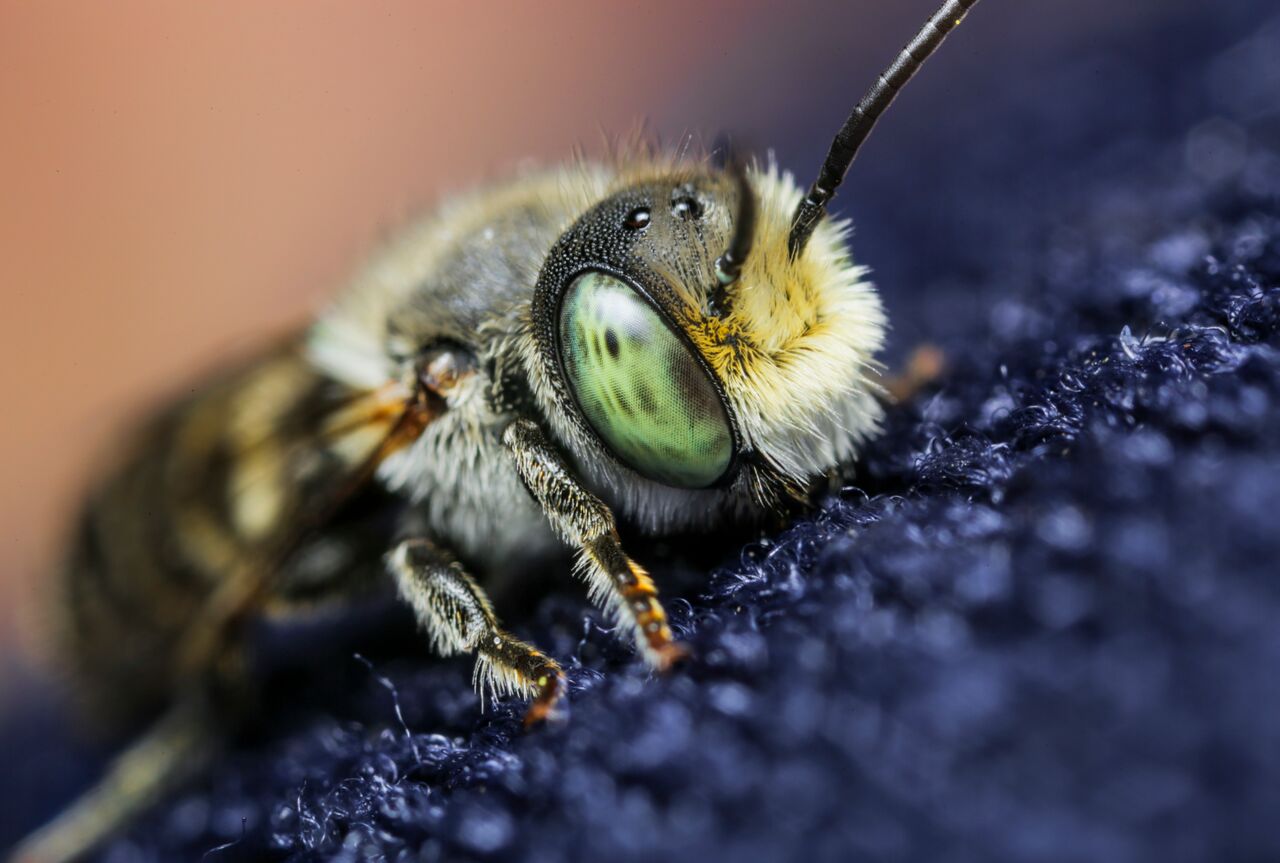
(669, 655)
(543, 707)
(924, 367)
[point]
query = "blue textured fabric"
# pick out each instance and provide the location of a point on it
(1042, 622)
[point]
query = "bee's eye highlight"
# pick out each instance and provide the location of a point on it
(686, 208)
(639, 385)
(637, 219)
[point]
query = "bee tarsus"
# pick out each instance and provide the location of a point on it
(458, 618)
(582, 519)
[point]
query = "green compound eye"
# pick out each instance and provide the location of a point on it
(640, 387)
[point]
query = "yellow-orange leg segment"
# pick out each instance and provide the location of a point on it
(583, 520)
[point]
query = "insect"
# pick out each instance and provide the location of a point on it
(682, 342)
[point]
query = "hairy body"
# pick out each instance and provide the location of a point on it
(288, 480)
(674, 341)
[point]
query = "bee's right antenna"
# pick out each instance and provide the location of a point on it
(844, 149)
(729, 265)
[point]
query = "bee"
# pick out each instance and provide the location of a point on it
(682, 342)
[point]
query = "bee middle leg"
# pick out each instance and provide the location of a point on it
(458, 618)
(923, 368)
(582, 519)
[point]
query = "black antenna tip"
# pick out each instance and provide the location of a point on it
(844, 149)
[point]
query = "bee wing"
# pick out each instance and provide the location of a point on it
(264, 460)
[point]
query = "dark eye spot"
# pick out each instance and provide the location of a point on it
(611, 342)
(648, 402)
(686, 208)
(637, 219)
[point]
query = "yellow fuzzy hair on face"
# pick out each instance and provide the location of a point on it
(795, 353)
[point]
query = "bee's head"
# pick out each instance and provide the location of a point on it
(680, 339)
(705, 328)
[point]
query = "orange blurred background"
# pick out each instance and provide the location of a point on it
(181, 180)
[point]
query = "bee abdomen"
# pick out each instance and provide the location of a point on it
(186, 539)
(127, 599)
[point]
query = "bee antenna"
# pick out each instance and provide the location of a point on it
(729, 265)
(844, 149)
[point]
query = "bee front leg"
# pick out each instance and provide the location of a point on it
(615, 581)
(458, 618)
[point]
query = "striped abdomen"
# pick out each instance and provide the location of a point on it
(196, 527)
